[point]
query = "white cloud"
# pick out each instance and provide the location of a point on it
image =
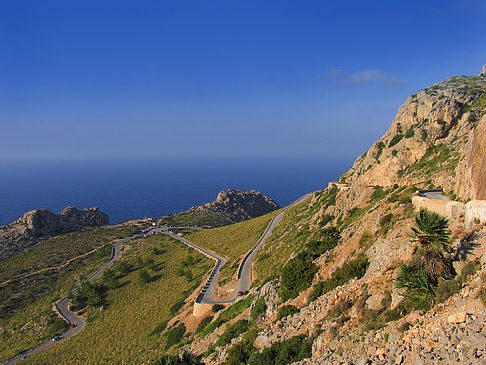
(341, 77)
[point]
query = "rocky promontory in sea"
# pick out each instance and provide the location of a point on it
(238, 205)
(231, 206)
(41, 223)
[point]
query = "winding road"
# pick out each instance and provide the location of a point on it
(77, 324)
(244, 272)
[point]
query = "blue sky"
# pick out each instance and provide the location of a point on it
(131, 79)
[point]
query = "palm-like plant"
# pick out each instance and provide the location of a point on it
(431, 231)
(420, 291)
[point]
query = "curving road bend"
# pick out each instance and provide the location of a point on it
(244, 272)
(76, 324)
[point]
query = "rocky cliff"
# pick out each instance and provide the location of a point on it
(352, 311)
(436, 139)
(41, 223)
(238, 205)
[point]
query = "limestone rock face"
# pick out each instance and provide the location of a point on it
(238, 205)
(41, 223)
(483, 71)
(438, 135)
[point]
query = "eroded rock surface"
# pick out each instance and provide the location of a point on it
(40, 223)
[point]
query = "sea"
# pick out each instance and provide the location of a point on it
(138, 188)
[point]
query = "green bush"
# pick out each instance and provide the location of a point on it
(231, 332)
(282, 353)
(446, 289)
(397, 138)
(366, 239)
(159, 329)
(240, 353)
(285, 311)
(204, 323)
(228, 314)
(352, 269)
(410, 133)
(378, 194)
(296, 276)
(258, 309)
(386, 221)
(176, 306)
(217, 307)
(174, 335)
(143, 276)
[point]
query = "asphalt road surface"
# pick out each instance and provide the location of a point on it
(433, 194)
(244, 273)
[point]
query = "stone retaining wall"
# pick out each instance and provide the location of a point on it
(447, 208)
(475, 212)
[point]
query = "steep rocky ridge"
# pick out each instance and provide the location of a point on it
(40, 223)
(438, 139)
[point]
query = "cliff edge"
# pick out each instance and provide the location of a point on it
(40, 223)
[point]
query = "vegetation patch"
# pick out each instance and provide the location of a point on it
(282, 353)
(174, 335)
(285, 311)
(296, 276)
(352, 269)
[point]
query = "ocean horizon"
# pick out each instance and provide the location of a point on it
(141, 188)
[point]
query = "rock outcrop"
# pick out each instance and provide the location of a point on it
(437, 138)
(40, 223)
(238, 205)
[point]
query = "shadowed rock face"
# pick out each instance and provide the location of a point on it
(238, 205)
(41, 223)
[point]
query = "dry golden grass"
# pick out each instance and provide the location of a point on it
(120, 334)
(232, 242)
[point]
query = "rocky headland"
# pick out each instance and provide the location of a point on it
(238, 205)
(42, 223)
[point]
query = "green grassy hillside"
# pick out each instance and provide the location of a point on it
(232, 242)
(128, 328)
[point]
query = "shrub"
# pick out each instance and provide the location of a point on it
(143, 276)
(446, 289)
(109, 279)
(352, 269)
(231, 332)
(410, 133)
(282, 353)
(285, 311)
(469, 270)
(397, 138)
(258, 309)
(296, 276)
(378, 194)
(159, 329)
(379, 149)
(217, 307)
(204, 323)
(237, 355)
(366, 239)
(482, 294)
(326, 218)
(419, 289)
(174, 335)
(122, 267)
(386, 221)
(176, 306)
